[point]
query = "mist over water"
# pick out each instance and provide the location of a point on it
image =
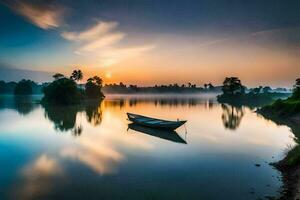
(89, 151)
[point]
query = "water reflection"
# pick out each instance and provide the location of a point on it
(24, 105)
(93, 112)
(107, 158)
(232, 116)
(163, 134)
(162, 100)
(65, 118)
(37, 178)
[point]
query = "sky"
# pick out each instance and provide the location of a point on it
(149, 42)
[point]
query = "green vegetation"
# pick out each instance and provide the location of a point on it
(234, 93)
(93, 88)
(285, 108)
(62, 91)
(287, 112)
(65, 91)
(24, 87)
(121, 88)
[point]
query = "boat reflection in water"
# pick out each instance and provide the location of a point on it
(163, 134)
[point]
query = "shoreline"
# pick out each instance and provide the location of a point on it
(290, 179)
(289, 166)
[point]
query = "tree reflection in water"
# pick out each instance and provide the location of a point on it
(24, 104)
(93, 112)
(232, 116)
(64, 117)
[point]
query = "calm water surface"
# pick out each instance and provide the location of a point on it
(88, 152)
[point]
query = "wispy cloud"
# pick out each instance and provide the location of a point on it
(43, 15)
(102, 42)
(38, 178)
(92, 33)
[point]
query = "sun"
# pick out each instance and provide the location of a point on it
(108, 75)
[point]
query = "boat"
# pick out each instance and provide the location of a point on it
(154, 123)
(169, 135)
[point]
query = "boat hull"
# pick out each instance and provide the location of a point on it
(169, 135)
(154, 123)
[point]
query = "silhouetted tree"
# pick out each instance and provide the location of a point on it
(93, 88)
(2, 87)
(24, 87)
(267, 89)
(296, 90)
(58, 76)
(77, 75)
(232, 86)
(62, 91)
(257, 90)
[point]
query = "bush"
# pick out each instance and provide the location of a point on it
(24, 87)
(93, 91)
(62, 91)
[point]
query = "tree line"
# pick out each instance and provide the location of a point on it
(171, 88)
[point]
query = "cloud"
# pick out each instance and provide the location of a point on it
(105, 41)
(101, 43)
(43, 15)
(38, 178)
(92, 33)
(99, 156)
(114, 55)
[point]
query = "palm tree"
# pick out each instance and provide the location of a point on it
(77, 75)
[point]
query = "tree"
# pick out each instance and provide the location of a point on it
(267, 89)
(62, 91)
(232, 85)
(24, 87)
(296, 90)
(93, 88)
(58, 76)
(257, 90)
(77, 75)
(2, 87)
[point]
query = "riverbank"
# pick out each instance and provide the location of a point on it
(251, 100)
(290, 165)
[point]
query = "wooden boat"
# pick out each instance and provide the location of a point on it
(154, 123)
(169, 135)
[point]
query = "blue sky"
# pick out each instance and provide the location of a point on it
(119, 39)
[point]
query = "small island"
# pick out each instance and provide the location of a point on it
(65, 91)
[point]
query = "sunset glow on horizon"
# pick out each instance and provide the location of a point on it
(142, 43)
